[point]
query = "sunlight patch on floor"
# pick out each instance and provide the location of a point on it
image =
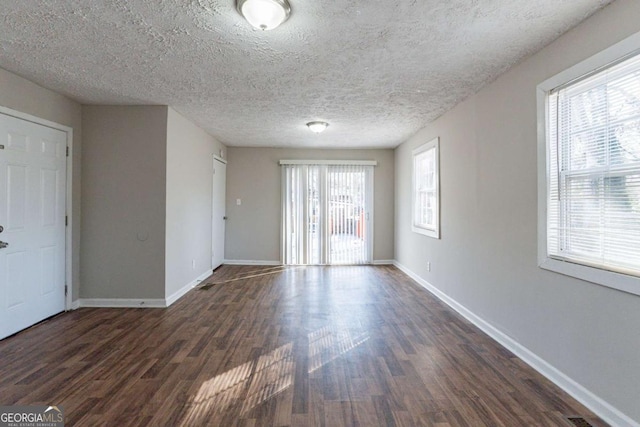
(255, 382)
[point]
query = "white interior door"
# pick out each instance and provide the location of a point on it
(219, 211)
(32, 215)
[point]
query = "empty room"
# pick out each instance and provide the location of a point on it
(303, 213)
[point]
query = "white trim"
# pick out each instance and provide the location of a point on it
(75, 304)
(283, 202)
(122, 302)
(622, 282)
(69, 227)
(599, 406)
(543, 172)
(34, 119)
(330, 162)
(213, 211)
(68, 196)
(186, 288)
(610, 279)
(600, 59)
(250, 262)
(140, 302)
(384, 262)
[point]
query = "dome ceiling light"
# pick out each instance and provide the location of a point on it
(264, 14)
(317, 127)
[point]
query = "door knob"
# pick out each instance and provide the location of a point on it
(3, 245)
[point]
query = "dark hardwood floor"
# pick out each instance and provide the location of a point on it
(277, 346)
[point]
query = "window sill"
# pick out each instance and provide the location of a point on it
(621, 282)
(430, 233)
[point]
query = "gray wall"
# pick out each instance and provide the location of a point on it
(487, 257)
(123, 201)
(254, 175)
(22, 95)
(190, 153)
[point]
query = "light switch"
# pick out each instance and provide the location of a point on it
(238, 202)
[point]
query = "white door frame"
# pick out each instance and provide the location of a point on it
(68, 195)
(224, 162)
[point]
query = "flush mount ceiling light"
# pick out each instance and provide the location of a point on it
(264, 14)
(317, 127)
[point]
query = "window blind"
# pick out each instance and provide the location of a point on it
(326, 213)
(593, 159)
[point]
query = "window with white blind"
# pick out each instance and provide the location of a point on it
(592, 173)
(426, 189)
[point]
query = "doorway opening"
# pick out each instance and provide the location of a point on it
(327, 214)
(218, 211)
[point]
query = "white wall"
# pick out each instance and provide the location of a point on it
(123, 202)
(22, 95)
(190, 153)
(487, 257)
(255, 177)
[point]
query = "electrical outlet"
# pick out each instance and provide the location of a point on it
(238, 202)
(428, 266)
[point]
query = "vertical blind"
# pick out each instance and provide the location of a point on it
(326, 214)
(593, 159)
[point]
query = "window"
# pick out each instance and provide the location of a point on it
(426, 189)
(592, 173)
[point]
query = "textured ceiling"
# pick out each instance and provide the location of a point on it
(377, 70)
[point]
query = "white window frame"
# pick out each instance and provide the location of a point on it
(434, 231)
(619, 281)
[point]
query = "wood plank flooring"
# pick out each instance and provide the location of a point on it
(278, 346)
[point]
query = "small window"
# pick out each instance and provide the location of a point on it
(426, 189)
(592, 175)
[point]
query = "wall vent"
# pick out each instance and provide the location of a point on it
(579, 422)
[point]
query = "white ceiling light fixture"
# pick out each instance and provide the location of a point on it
(317, 127)
(264, 14)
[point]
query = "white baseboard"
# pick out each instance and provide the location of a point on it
(250, 262)
(140, 302)
(75, 305)
(599, 406)
(260, 262)
(122, 302)
(186, 288)
(384, 262)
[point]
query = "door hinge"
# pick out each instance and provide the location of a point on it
(66, 221)
(67, 151)
(66, 290)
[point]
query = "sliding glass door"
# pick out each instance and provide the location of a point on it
(326, 214)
